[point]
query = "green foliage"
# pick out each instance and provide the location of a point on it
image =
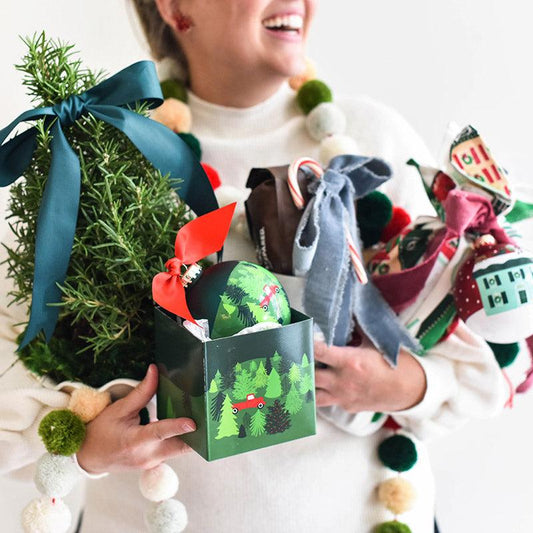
(216, 406)
(62, 432)
(273, 385)
(257, 423)
(261, 376)
(213, 388)
(294, 403)
(127, 221)
(294, 374)
(306, 384)
(276, 362)
(228, 421)
(244, 384)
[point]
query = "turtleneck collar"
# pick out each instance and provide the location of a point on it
(214, 120)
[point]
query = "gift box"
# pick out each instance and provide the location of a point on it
(244, 392)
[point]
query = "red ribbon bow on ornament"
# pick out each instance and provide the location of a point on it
(199, 238)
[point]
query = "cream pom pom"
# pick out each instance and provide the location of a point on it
(45, 515)
(169, 516)
(226, 194)
(309, 73)
(324, 120)
(336, 145)
(159, 483)
(88, 403)
(397, 495)
(55, 475)
(174, 114)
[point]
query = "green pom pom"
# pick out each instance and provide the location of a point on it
(174, 89)
(392, 527)
(374, 212)
(398, 453)
(62, 432)
(311, 94)
(193, 143)
(505, 353)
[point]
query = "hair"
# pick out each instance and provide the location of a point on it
(160, 36)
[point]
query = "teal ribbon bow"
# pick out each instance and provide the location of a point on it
(56, 223)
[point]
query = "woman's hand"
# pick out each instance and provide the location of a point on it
(115, 441)
(359, 379)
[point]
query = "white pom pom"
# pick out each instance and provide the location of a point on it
(336, 145)
(46, 516)
(55, 475)
(169, 516)
(227, 194)
(159, 483)
(324, 120)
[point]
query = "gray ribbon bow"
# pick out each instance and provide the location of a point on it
(333, 295)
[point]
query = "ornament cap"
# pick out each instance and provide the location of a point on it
(191, 275)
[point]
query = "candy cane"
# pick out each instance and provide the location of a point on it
(357, 264)
(298, 200)
(294, 188)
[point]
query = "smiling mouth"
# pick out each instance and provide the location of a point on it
(285, 23)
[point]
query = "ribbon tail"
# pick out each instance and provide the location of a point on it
(16, 155)
(166, 151)
(380, 324)
(168, 292)
(56, 226)
(204, 235)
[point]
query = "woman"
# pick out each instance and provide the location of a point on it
(237, 57)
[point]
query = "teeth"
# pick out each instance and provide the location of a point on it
(287, 22)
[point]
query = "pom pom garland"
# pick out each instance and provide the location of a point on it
(159, 483)
(397, 495)
(193, 143)
(174, 89)
(398, 453)
(55, 475)
(62, 432)
(311, 94)
(324, 120)
(174, 114)
(307, 74)
(336, 145)
(374, 212)
(46, 515)
(505, 353)
(392, 527)
(399, 220)
(88, 403)
(212, 176)
(169, 516)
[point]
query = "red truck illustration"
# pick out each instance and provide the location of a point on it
(251, 401)
(269, 291)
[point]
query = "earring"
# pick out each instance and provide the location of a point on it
(183, 22)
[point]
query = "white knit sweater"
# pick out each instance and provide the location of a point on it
(312, 485)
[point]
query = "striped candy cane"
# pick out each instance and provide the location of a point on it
(298, 200)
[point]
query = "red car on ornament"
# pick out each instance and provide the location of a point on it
(269, 291)
(251, 401)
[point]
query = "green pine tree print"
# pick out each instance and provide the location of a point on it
(228, 421)
(294, 402)
(257, 423)
(273, 385)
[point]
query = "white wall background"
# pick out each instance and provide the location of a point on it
(435, 61)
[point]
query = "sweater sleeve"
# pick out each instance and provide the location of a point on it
(23, 399)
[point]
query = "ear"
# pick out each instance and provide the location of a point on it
(168, 9)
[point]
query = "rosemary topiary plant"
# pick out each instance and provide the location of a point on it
(126, 225)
